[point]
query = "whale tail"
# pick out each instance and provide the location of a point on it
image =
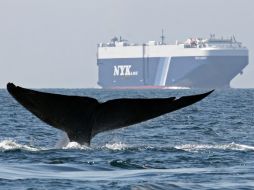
(68, 113)
(84, 117)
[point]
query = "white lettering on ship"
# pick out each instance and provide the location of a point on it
(124, 70)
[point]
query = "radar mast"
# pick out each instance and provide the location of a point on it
(162, 37)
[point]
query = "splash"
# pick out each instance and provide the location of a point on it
(12, 145)
(64, 143)
(63, 140)
(231, 146)
(116, 146)
(75, 145)
(8, 145)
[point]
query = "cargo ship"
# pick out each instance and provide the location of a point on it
(195, 63)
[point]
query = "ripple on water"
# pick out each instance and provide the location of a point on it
(187, 149)
(126, 164)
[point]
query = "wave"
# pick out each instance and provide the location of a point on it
(119, 146)
(12, 145)
(126, 164)
(230, 146)
(116, 146)
(7, 145)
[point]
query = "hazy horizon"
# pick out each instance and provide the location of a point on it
(52, 44)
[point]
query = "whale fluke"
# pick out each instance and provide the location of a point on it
(84, 117)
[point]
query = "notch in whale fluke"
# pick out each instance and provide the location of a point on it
(84, 117)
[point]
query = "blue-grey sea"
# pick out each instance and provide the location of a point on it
(209, 145)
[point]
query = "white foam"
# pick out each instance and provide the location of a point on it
(75, 145)
(12, 145)
(231, 146)
(116, 146)
(242, 146)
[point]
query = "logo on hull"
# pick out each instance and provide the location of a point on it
(124, 70)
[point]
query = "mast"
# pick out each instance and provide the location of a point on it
(162, 37)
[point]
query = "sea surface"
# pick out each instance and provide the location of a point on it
(209, 145)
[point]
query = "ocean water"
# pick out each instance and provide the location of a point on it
(209, 145)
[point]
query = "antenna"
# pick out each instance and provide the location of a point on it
(162, 37)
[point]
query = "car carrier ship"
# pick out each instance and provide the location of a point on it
(196, 63)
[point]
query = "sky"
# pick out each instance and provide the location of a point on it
(53, 43)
